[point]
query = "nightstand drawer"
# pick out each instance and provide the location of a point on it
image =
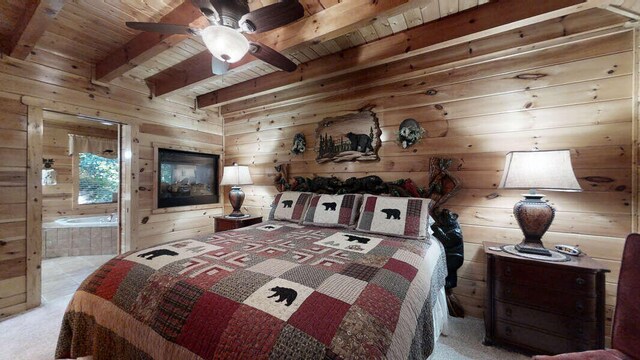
(222, 223)
(564, 326)
(547, 300)
(537, 341)
(558, 279)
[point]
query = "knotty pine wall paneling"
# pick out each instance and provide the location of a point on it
(51, 82)
(13, 204)
(571, 92)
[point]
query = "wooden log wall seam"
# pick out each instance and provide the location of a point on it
(577, 96)
(55, 87)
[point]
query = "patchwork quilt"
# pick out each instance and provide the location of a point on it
(275, 290)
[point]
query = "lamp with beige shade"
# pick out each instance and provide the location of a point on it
(531, 170)
(235, 176)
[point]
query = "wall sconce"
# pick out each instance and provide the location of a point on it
(49, 175)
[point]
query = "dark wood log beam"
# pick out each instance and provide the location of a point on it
(334, 21)
(483, 21)
(37, 16)
(146, 45)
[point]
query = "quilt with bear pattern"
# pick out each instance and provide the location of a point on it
(274, 290)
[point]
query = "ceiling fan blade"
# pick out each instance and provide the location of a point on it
(218, 66)
(271, 56)
(207, 9)
(163, 28)
(271, 16)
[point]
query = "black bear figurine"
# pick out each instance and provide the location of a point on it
(447, 230)
(156, 253)
(395, 213)
(329, 206)
(283, 294)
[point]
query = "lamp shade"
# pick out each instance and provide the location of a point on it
(225, 43)
(548, 170)
(236, 175)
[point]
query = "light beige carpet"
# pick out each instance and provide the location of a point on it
(33, 336)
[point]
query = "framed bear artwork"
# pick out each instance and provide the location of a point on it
(351, 137)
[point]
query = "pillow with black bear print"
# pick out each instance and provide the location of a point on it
(395, 216)
(333, 210)
(289, 206)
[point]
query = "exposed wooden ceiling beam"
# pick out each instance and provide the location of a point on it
(329, 23)
(146, 45)
(38, 14)
(483, 21)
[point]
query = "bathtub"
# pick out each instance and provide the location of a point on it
(83, 221)
(80, 235)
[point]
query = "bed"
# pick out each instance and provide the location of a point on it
(274, 290)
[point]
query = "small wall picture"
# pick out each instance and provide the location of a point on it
(299, 144)
(352, 137)
(409, 133)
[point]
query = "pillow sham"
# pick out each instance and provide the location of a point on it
(395, 216)
(333, 210)
(289, 206)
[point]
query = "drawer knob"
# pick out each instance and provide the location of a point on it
(507, 291)
(579, 306)
(580, 330)
(508, 331)
(507, 271)
(508, 312)
(580, 281)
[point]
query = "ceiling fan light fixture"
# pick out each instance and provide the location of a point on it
(225, 43)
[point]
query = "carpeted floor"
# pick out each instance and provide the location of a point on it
(33, 336)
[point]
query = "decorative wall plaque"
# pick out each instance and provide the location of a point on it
(352, 137)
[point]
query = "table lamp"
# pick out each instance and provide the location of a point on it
(548, 170)
(235, 176)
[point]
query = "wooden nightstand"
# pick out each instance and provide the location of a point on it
(544, 307)
(222, 223)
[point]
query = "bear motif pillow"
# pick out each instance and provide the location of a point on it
(396, 216)
(289, 206)
(333, 210)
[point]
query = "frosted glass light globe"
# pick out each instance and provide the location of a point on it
(225, 43)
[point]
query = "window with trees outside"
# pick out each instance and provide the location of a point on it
(98, 179)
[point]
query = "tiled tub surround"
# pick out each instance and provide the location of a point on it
(84, 237)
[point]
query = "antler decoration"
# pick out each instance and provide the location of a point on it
(281, 180)
(442, 185)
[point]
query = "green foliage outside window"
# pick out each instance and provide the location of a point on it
(99, 178)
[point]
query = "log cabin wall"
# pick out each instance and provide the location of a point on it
(47, 81)
(561, 84)
(57, 200)
(13, 203)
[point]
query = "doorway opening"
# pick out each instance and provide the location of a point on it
(80, 200)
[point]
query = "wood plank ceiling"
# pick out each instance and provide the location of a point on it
(93, 32)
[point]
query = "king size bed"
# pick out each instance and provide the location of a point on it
(286, 288)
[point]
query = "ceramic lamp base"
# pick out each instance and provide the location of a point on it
(236, 197)
(534, 217)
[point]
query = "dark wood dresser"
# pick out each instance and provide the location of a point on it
(222, 223)
(542, 307)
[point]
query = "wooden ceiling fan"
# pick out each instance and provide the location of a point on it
(229, 19)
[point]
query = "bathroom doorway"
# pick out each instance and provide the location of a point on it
(80, 200)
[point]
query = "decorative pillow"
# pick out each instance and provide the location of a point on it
(289, 206)
(396, 216)
(333, 210)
